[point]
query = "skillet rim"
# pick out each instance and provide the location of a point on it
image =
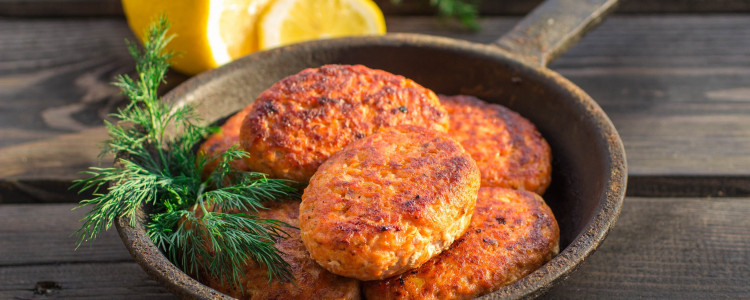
(532, 285)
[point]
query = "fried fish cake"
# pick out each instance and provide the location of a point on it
(512, 233)
(219, 142)
(508, 149)
(311, 281)
(303, 119)
(388, 202)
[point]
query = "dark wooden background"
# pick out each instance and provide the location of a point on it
(112, 8)
(673, 75)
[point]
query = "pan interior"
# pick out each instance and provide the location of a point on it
(581, 155)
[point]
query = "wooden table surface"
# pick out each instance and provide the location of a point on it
(674, 77)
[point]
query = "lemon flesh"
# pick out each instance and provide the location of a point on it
(208, 33)
(290, 21)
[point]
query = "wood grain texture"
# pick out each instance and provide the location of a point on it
(676, 87)
(522, 7)
(60, 8)
(38, 259)
(44, 235)
(118, 281)
(688, 186)
(87, 8)
(55, 91)
(678, 94)
(669, 248)
(665, 248)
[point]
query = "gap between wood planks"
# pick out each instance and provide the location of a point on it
(57, 191)
(109, 8)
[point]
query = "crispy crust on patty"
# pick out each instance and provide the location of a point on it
(219, 142)
(512, 233)
(388, 202)
(312, 281)
(303, 119)
(508, 149)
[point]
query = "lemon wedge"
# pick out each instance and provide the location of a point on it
(289, 21)
(208, 33)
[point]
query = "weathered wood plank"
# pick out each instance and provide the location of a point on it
(38, 259)
(44, 234)
(679, 97)
(669, 249)
(124, 280)
(67, 8)
(522, 7)
(675, 86)
(665, 248)
(688, 186)
(60, 8)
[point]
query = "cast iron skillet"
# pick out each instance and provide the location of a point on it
(589, 170)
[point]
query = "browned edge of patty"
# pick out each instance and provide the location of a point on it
(512, 233)
(219, 142)
(311, 281)
(388, 202)
(303, 119)
(509, 150)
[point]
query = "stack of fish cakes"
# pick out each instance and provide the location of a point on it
(394, 177)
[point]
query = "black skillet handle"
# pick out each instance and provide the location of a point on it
(553, 27)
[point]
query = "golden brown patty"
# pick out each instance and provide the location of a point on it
(508, 149)
(388, 202)
(219, 142)
(303, 119)
(312, 281)
(512, 233)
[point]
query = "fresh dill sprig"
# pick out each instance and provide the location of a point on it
(186, 234)
(204, 226)
(465, 11)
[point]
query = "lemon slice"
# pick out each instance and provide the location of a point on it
(290, 21)
(209, 33)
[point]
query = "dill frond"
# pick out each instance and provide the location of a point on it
(163, 171)
(225, 238)
(465, 11)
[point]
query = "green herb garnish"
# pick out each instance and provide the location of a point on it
(465, 11)
(192, 220)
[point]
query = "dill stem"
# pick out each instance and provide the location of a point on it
(202, 188)
(161, 169)
(156, 124)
